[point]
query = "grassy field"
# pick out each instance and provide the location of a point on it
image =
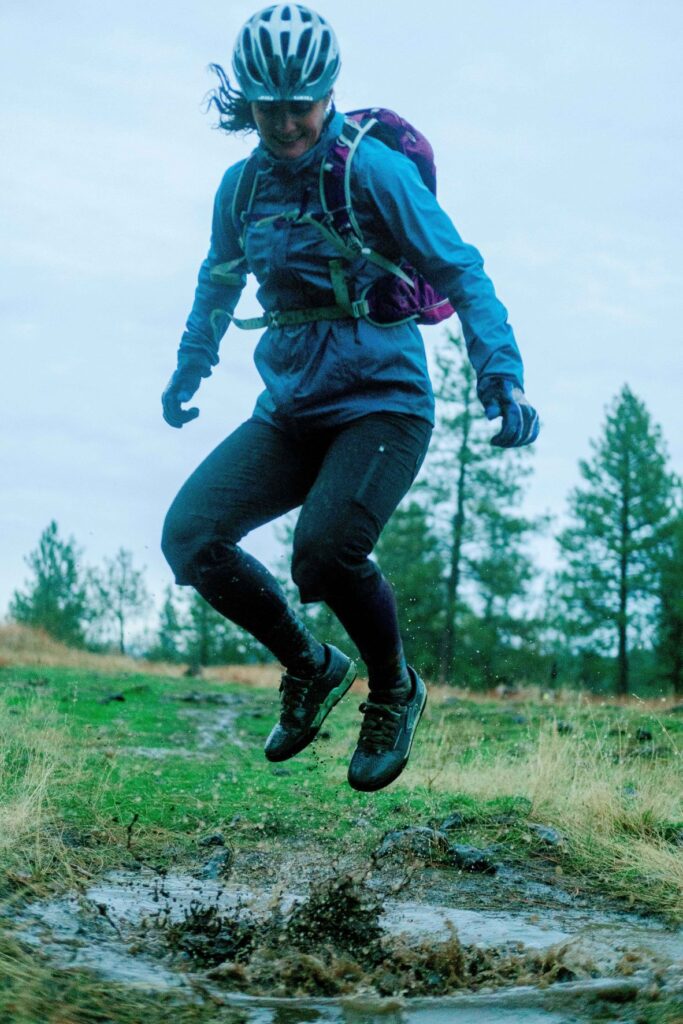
(102, 767)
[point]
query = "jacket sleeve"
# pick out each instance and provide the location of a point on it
(215, 301)
(426, 236)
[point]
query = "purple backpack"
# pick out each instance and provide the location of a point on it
(401, 294)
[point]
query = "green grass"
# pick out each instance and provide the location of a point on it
(101, 797)
(78, 796)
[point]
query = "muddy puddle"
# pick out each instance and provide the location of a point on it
(341, 950)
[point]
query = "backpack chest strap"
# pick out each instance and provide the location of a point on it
(293, 317)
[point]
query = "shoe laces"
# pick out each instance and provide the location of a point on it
(378, 731)
(293, 694)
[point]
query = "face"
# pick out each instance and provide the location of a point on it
(289, 129)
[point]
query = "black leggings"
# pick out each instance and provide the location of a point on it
(348, 480)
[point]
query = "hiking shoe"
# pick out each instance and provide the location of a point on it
(386, 737)
(306, 703)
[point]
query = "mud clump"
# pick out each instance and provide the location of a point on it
(218, 866)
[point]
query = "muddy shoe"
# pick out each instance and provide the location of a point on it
(306, 703)
(386, 737)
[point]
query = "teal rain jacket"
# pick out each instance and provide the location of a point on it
(329, 372)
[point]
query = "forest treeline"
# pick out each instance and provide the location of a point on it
(477, 610)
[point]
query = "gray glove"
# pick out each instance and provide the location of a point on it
(180, 388)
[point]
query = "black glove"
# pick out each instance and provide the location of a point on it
(180, 388)
(502, 397)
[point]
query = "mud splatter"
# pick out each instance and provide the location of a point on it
(210, 938)
(342, 914)
(340, 937)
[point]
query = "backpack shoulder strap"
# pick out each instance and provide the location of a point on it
(335, 180)
(243, 198)
(337, 201)
(231, 273)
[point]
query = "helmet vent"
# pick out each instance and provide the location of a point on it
(286, 14)
(317, 70)
(304, 43)
(284, 44)
(249, 58)
(266, 43)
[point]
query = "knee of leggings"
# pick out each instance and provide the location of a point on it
(178, 547)
(316, 569)
(187, 548)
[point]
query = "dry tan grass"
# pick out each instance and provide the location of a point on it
(35, 758)
(612, 810)
(551, 698)
(21, 645)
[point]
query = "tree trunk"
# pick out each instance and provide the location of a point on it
(622, 621)
(203, 639)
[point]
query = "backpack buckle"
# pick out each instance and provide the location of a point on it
(360, 308)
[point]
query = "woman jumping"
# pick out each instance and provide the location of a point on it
(337, 219)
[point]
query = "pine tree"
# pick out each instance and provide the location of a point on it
(55, 595)
(168, 644)
(211, 639)
(469, 488)
(122, 594)
(500, 568)
(620, 514)
(456, 445)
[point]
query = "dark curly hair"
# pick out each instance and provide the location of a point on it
(234, 111)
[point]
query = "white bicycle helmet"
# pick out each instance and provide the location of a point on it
(286, 52)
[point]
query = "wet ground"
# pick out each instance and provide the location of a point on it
(287, 937)
(347, 947)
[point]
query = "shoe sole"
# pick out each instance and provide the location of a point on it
(332, 699)
(374, 788)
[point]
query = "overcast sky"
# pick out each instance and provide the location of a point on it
(557, 130)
